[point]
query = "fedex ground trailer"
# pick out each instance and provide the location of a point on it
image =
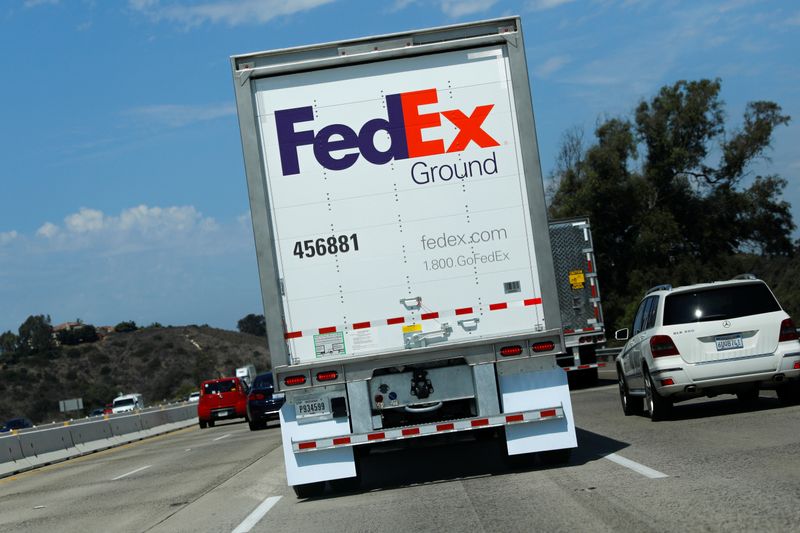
(402, 242)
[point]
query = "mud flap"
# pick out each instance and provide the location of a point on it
(521, 391)
(323, 465)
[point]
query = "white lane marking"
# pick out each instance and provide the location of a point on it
(636, 467)
(222, 437)
(132, 472)
(254, 517)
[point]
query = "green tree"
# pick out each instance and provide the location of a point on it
(123, 327)
(669, 193)
(253, 324)
(36, 336)
(8, 343)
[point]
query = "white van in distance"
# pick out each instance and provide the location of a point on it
(127, 402)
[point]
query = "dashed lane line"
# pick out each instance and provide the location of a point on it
(223, 437)
(132, 472)
(636, 467)
(256, 516)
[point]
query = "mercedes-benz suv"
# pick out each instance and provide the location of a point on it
(728, 337)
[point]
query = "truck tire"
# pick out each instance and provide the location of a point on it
(309, 490)
(202, 424)
(555, 457)
(211, 423)
(658, 406)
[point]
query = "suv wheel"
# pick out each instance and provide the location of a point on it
(658, 406)
(630, 405)
(789, 394)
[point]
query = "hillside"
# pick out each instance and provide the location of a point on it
(161, 363)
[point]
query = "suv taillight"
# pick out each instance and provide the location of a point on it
(662, 346)
(788, 331)
(257, 396)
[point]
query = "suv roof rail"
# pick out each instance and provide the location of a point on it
(663, 287)
(746, 275)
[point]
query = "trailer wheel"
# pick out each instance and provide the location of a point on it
(309, 490)
(555, 457)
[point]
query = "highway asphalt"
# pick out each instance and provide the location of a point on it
(717, 465)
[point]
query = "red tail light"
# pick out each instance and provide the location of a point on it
(545, 346)
(327, 376)
(257, 396)
(662, 346)
(788, 331)
(507, 351)
(295, 380)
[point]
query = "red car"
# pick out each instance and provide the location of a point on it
(221, 399)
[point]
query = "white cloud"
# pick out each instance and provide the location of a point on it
(177, 116)
(135, 228)
(231, 12)
(48, 230)
(551, 65)
(7, 236)
(34, 3)
(461, 8)
(542, 5)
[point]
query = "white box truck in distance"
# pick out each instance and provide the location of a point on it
(402, 244)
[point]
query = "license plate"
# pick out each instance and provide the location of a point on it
(315, 407)
(220, 414)
(729, 342)
(278, 396)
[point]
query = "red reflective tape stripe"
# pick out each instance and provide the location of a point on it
(597, 312)
(480, 422)
(323, 331)
(410, 431)
(533, 301)
(429, 316)
(547, 413)
(589, 265)
(445, 427)
(515, 418)
(360, 325)
(569, 331)
(464, 311)
(292, 334)
(601, 364)
(376, 436)
(594, 291)
(307, 445)
(590, 328)
(341, 440)
(398, 320)
(584, 367)
(496, 307)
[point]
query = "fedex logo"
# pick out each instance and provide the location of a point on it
(404, 124)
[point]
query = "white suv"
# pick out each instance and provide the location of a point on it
(728, 337)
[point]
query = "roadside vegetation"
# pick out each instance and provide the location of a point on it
(675, 195)
(39, 368)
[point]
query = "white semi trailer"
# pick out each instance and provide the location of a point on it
(402, 242)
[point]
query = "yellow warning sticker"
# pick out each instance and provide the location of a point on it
(412, 328)
(577, 279)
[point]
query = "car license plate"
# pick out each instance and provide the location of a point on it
(315, 407)
(729, 342)
(278, 396)
(222, 414)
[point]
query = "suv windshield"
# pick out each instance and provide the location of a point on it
(719, 303)
(219, 386)
(123, 403)
(264, 381)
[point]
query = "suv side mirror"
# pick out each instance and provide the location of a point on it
(621, 334)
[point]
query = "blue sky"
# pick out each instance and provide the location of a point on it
(123, 189)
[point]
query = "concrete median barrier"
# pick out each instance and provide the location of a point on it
(51, 443)
(11, 458)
